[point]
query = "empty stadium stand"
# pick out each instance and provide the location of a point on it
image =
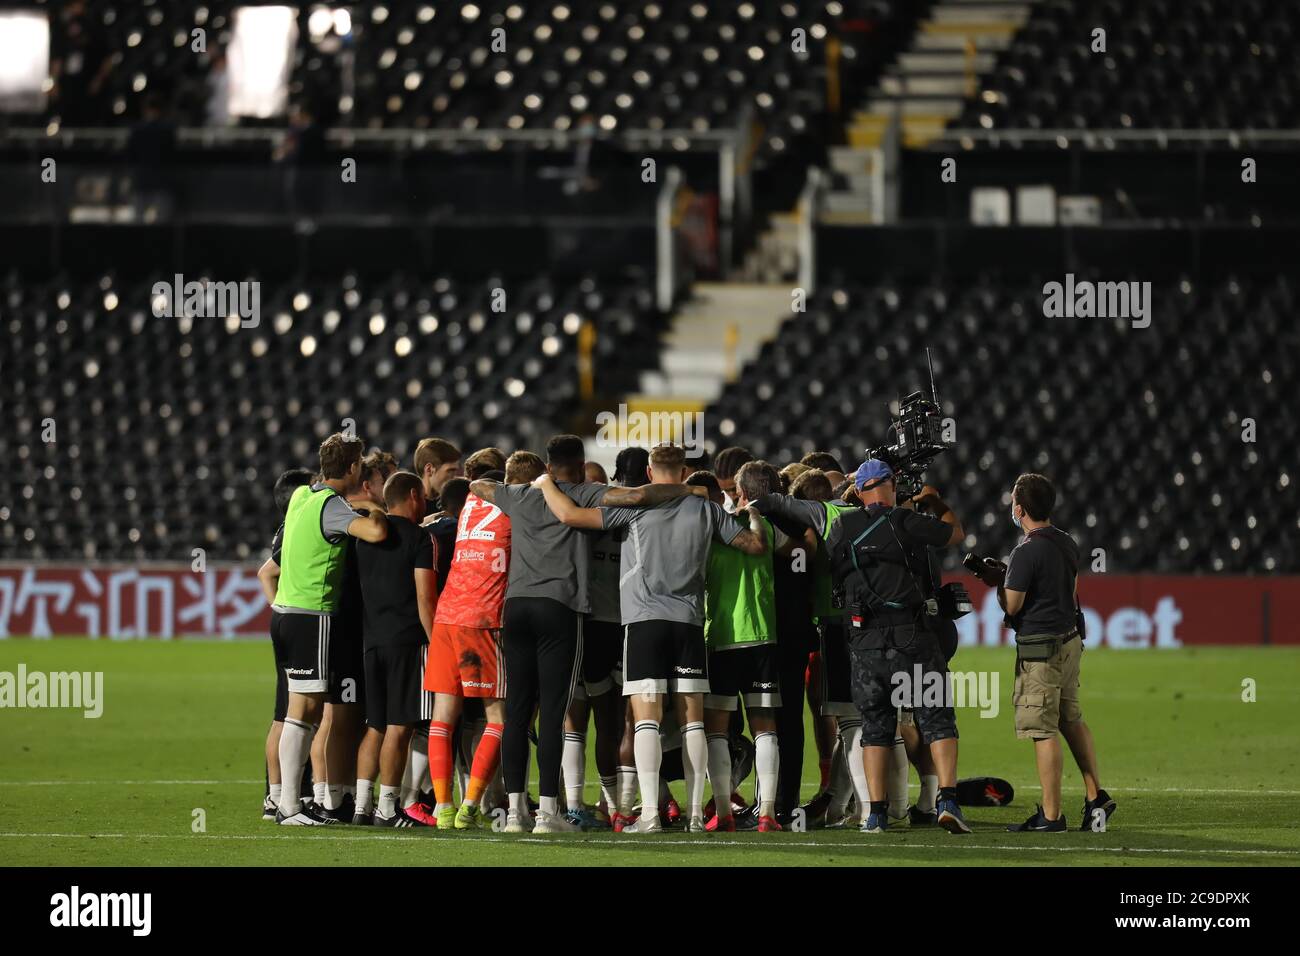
(170, 431)
(1143, 428)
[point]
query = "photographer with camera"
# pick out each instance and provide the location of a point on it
(1038, 589)
(880, 569)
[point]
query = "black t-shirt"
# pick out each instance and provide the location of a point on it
(351, 613)
(1038, 568)
(793, 591)
(887, 578)
(386, 571)
(444, 534)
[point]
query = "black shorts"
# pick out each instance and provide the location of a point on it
(395, 693)
(837, 693)
(347, 669)
(602, 658)
(663, 656)
(305, 643)
(280, 651)
(317, 659)
(750, 673)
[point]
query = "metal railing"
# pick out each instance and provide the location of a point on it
(1103, 138)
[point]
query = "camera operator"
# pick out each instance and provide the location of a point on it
(1040, 597)
(880, 568)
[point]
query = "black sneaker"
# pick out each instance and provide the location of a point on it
(921, 818)
(401, 820)
(344, 812)
(747, 819)
(268, 808)
(363, 818)
(814, 811)
(1096, 812)
(311, 814)
(1037, 823)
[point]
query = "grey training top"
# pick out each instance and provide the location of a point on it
(335, 517)
(548, 559)
(665, 556)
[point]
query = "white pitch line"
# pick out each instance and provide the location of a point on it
(648, 841)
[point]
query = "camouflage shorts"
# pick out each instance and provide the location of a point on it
(877, 655)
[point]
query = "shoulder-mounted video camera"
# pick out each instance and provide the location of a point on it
(916, 440)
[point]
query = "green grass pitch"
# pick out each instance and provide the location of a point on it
(1201, 776)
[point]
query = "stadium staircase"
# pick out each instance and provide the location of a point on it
(715, 334)
(930, 83)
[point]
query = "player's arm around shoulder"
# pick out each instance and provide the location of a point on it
(647, 496)
(371, 526)
(482, 488)
(568, 511)
(751, 540)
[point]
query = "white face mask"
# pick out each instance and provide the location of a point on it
(1014, 520)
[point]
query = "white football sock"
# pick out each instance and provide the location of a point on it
(609, 791)
(649, 755)
(365, 796)
(720, 774)
(334, 796)
(321, 792)
(275, 794)
(626, 790)
(295, 748)
(897, 779)
(695, 760)
(573, 764)
(519, 804)
(549, 805)
(387, 800)
(851, 738)
(415, 777)
(767, 764)
(929, 793)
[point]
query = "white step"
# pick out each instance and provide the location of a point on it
(904, 85)
(693, 363)
(980, 13)
(911, 107)
(929, 42)
(950, 61)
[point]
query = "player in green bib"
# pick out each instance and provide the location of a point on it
(740, 632)
(317, 527)
(819, 513)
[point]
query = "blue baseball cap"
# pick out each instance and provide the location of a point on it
(871, 472)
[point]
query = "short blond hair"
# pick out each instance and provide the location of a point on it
(668, 457)
(523, 467)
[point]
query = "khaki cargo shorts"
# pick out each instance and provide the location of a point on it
(1047, 692)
